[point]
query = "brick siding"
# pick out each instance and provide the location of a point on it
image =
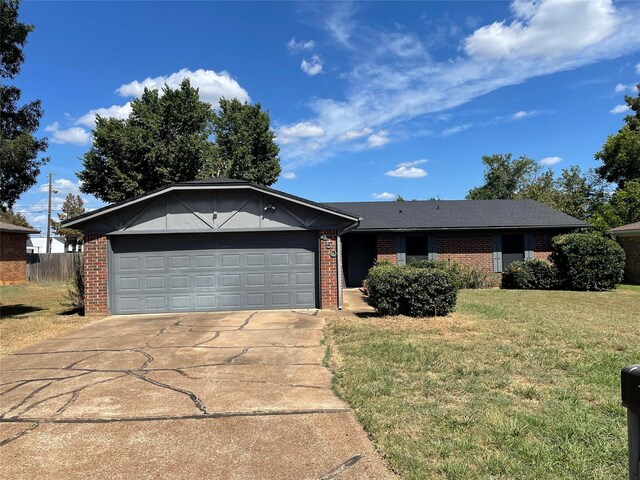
(13, 257)
(542, 245)
(386, 248)
(328, 269)
(96, 300)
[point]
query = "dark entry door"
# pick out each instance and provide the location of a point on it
(360, 254)
(512, 249)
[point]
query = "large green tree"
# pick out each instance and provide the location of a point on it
(71, 207)
(505, 177)
(19, 148)
(578, 195)
(167, 139)
(623, 207)
(620, 155)
(245, 146)
(164, 140)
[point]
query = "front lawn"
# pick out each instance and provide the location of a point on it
(515, 384)
(32, 312)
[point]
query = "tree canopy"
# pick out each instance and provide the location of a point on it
(573, 193)
(504, 177)
(620, 155)
(71, 207)
(19, 148)
(245, 145)
(166, 139)
(14, 218)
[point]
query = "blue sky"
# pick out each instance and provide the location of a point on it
(367, 99)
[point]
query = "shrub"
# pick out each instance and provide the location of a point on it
(411, 291)
(386, 285)
(466, 276)
(588, 261)
(531, 274)
(75, 292)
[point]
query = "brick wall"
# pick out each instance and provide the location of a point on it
(13, 257)
(474, 249)
(95, 275)
(631, 246)
(387, 248)
(328, 269)
(542, 245)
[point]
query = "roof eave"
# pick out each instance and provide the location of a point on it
(76, 221)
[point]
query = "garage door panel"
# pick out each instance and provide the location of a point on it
(205, 273)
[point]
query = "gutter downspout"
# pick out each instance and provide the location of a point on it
(339, 257)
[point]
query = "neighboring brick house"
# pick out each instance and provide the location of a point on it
(489, 234)
(13, 253)
(223, 244)
(628, 236)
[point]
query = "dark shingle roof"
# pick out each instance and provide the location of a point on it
(630, 227)
(9, 227)
(457, 214)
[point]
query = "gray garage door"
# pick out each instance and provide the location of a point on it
(206, 272)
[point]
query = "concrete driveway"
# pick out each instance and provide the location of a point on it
(230, 395)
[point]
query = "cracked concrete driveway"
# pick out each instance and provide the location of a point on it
(229, 395)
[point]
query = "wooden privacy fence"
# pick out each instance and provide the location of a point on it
(54, 267)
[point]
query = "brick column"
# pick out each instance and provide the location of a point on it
(542, 245)
(95, 275)
(328, 269)
(387, 248)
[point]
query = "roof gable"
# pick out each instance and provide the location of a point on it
(211, 205)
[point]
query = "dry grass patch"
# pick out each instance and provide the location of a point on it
(32, 312)
(515, 384)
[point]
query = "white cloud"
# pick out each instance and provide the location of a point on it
(212, 85)
(62, 185)
(114, 111)
(619, 109)
(378, 139)
(289, 176)
(543, 29)
(447, 132)
(406, 172)
(621, 87)
(384, 91)
(413, 163)
(550, 161)
(384, 196)
(296, 47)
(74, 135)
(524, 114)
(353, 134)
(292, 133)
(312, 67)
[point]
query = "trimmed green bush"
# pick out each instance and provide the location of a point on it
(466, 276)
(417, 292)
(531, 275)
(588, 261)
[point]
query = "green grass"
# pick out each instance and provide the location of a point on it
(515, 384)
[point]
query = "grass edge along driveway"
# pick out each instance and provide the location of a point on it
(514, 384)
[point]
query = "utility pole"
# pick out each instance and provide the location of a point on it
(49, 218)
(51, 190)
